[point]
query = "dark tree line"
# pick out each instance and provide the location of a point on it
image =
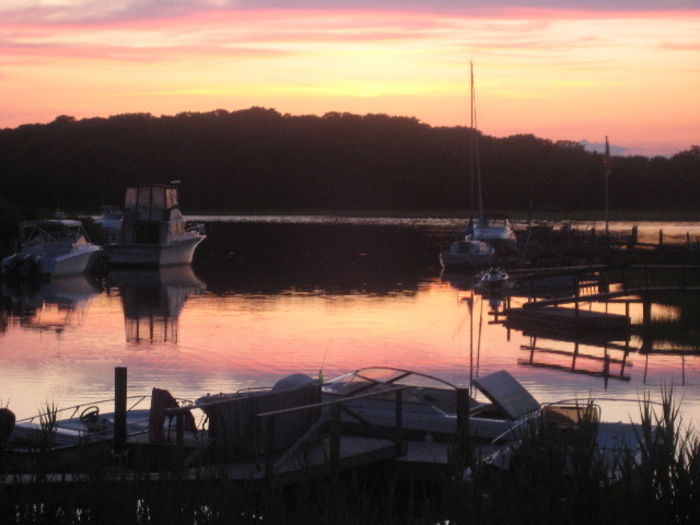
(259, 159)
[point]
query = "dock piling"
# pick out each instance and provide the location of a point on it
(119, 409)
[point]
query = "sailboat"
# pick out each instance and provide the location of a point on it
(492, 228)
(473, 248)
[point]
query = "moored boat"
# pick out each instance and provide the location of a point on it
(60, 438)
(495, 229)
(493, 279)
(51, 248)
(154, 231)
(467, 253)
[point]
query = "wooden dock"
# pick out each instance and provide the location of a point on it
(559, 319)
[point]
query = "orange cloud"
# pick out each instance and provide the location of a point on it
(561, 74)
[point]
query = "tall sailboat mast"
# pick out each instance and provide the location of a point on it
(475, 162)
(606, 167)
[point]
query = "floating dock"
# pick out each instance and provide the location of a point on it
(561, 319)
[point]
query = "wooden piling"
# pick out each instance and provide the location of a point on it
(269, 448)
(463, 447)
(335, 438)
(399, 414)
(119, 409)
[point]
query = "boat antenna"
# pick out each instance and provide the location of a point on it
(323, 363)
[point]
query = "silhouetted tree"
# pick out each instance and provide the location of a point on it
(257, 159)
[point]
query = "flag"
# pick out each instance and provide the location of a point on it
(606, 160)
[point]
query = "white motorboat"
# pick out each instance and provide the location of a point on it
(59, 438)
(467, 253)
(493, 279)
(497, 427)
(154, 231)
(429, 404)
(51, 248)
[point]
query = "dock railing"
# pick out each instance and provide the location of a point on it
(331, 412)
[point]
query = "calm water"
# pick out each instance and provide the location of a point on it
(271, 296)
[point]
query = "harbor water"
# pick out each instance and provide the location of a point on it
(272, 296)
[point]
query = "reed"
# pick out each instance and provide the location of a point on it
(556, 477)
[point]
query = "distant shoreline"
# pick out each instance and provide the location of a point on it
(630, 215)
(519, 215)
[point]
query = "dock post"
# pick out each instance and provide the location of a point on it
(269, 448)
(119, 444)
(335, 438)
(463, 449)
(180, 439)
(399, 414)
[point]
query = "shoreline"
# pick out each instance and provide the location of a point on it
(518, 215)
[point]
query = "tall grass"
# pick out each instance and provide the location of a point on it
(557, 478)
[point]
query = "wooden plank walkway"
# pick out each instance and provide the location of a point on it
(431, 461)
(310, 461)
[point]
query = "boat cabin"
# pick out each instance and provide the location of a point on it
(151, 215)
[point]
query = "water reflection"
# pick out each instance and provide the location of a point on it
(265, 258)
(152, 301)
(285, 298)
(49, 306)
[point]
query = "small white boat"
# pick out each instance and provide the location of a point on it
(154, 231)
(493, 279)
(60, 438)
(51, 248)
(467, 253)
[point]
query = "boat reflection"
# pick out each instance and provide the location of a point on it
(51, 306)
(497, 297)
(153, 299)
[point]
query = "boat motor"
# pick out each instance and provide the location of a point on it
(292, 381)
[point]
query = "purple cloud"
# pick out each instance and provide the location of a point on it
(94, 11)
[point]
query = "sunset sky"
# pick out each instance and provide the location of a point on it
(560, 69)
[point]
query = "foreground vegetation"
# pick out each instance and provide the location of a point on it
(554, 481)
(259, 159)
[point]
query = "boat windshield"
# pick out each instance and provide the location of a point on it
(369, 379)
(50, 231)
